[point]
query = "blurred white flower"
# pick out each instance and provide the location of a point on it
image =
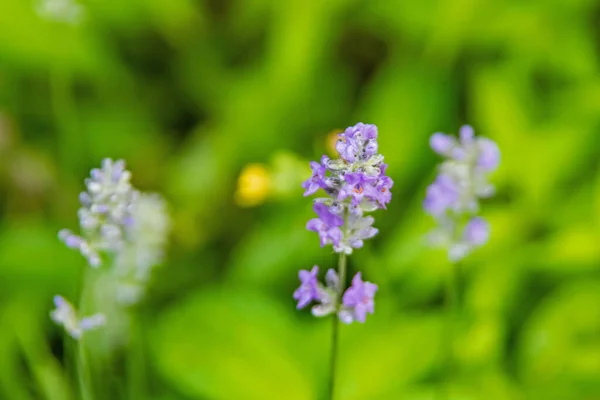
(65, 315)
(67, 11)
(145, 248)
(105, 216)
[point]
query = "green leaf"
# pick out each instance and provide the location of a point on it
(560, 347)
(232, 345)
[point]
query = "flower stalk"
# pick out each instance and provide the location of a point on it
(453, 201)
(335, 331)
(355, 184)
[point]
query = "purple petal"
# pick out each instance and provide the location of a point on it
(466, 133)
(477, 231)
(336, 235)
(327, 216)
(59, 301)
(332, 279)
(314, 224)
(441, 143)
(489, 156)
(370, 131)
(360, 312)
(304, 275)
(357, 280)
(370, 289)
(304, 299)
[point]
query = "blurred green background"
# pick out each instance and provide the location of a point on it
(219, 105)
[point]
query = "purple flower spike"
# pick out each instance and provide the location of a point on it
(358, 299)
(327, 225)
(308, 290)
(477, 231)
(453, 198)
(355, 184)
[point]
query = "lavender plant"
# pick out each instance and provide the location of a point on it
(453, 201)
(123, 232)
(453, 198)
(355, 184)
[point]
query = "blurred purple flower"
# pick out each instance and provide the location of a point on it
(477, 231)
(442, 194)
(489, 155)
(461, 182)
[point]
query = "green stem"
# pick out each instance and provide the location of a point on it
(83, 374)
(136, 370)
(83, 371)
(336, 326)
(452, 311)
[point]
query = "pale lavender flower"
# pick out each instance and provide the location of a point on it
(327, 295)
(327, 225)
(442, 195)
(357, 185)
(65, 315)
(105, 214)
(358, 300)
(317, 180)
(489, 155)
(477, 231)
(358, 141)
(360, 228)
(308, 290)
(442, 143)
(453, 197)
(383, 187)
(311, 290)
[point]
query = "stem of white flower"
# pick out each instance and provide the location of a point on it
(81, 361)
(83, 371)
(450, 332)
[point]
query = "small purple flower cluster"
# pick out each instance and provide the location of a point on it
(357, 300)
(453, 198)
(355, 184)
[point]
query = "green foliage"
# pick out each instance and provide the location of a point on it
(192, 92)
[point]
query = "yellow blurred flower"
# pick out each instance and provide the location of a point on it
(331, 140)
(254, 185)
